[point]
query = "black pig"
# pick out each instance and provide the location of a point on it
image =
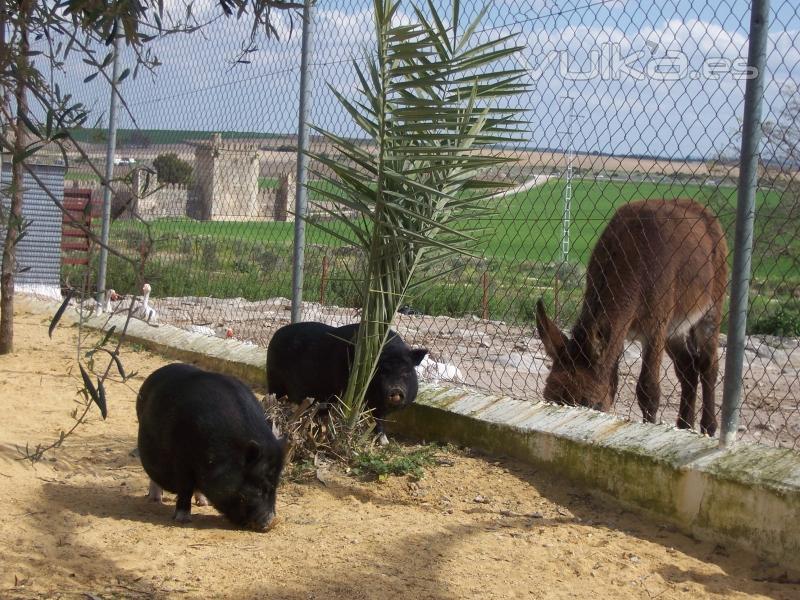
(206, 432)
(313, 360)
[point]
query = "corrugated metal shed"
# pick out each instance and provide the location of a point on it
(40, 249)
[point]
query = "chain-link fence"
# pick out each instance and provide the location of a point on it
(626, 101)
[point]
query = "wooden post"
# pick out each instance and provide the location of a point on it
(324, 283)
(485, 298)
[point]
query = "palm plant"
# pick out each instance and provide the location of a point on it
(407, 193)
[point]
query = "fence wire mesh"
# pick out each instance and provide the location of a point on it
(626, 101)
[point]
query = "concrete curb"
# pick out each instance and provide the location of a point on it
(748, 496)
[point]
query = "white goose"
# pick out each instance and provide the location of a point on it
(145, 311)
(108, 307)
(112, 297)
(220, 332)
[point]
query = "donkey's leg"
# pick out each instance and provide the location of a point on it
(615, 380)
(707, 359)
(648, 392)
(683, 355)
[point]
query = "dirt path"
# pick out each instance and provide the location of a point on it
(535, 181)
(77, 525)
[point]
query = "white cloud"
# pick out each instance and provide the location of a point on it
(630, 110)
(783, 53)
(575, 38)
(197, 87)
(696, 38)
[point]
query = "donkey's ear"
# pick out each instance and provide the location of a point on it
(597, 338)
(552, 337)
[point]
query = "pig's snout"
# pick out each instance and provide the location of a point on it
(396, 396)
(264, 523)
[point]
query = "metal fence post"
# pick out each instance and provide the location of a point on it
(111, 148)
(298, 258)
(745, 213)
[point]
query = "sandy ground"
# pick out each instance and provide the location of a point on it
(509, 359)
(77, 524)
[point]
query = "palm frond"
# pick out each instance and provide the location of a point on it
(428, 110)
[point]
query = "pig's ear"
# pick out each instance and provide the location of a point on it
(252, 452)
(417, 354)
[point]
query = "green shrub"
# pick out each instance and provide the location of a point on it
(186, 245)
(208, 252)
(342, 292)
(240, 248)
(782, 320)
(393, 460)
(172, 169)
(269, 261)
(133, 239)
(243, 264)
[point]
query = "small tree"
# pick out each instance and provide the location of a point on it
(432, 105)
(35, 113)
(172, 169)
(13, 222)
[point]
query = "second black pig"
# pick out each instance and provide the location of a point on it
(313, 360)
(206, 432)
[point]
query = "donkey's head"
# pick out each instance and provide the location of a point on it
(576, 378)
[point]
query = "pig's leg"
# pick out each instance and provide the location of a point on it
(183, 507)
(155, 493)
(200, 498)
(380, 433)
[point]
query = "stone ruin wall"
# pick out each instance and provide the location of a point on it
(225, 189)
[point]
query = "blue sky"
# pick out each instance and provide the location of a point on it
(198, 88)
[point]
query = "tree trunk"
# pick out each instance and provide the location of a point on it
(5, 105)
(14, 216)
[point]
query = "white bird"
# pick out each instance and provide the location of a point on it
(112, 296)
(108, 307)
(434, 371)
(220, 332)
(145, 311)
(202, 329)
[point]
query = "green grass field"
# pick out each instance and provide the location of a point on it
(166, 136)
(267, 183)
(522, 254)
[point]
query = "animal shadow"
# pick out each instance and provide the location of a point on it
(126, 503)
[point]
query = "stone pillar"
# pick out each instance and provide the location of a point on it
(285, 198)
(204, 158)
(235, 183)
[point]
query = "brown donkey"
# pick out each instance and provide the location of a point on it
(657, 275)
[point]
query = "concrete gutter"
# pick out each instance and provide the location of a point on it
(747, 496)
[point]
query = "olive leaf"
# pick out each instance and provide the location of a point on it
(60, 312)
(99, 399)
